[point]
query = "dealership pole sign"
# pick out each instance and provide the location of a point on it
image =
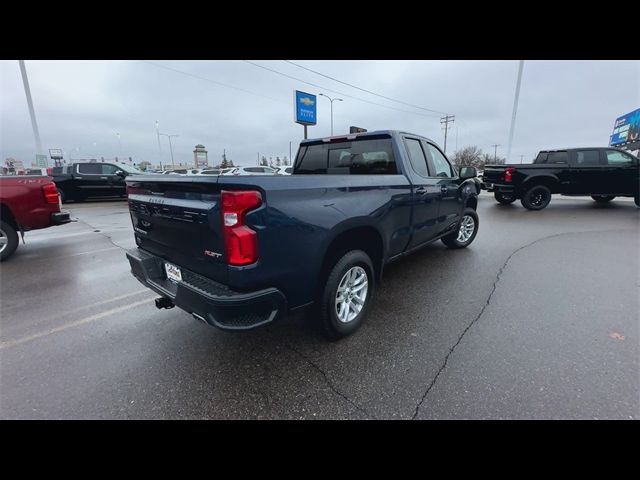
(626, 130)
(305, 110)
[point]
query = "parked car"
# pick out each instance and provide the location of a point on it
(27, 203)
(237, 252)
(80, 181)
(284, 170)
(210, 171)
(262, 170)
(602, 173)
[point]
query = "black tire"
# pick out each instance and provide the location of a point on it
(8, 232)
(63, 196)
(333, 327)
(536, 198)
(452, 240)
(504, 199)
(603, 198)
(637, 200)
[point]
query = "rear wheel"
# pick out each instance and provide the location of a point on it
(347, 294)
(603, 198)
(466, 232)
(8, 240)
(504, 198)
(637, 200)
(536, 198)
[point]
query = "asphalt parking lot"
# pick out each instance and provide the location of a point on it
(538, 318)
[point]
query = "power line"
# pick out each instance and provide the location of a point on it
(335, 91)
(365, 90)
(212, 81)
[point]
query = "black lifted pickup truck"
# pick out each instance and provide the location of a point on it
(602, 173)
(80, 181)
(237, 251)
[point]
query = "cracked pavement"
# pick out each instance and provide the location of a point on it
(539, 318)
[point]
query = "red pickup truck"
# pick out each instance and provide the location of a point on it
(27, 203)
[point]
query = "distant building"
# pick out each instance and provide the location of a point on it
(200, 157)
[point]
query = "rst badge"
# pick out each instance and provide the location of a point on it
(209, 253)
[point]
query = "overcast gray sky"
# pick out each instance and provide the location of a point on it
(81, 105)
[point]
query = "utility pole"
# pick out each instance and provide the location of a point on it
(495, 151)
(515, 108)
(446, 120)
(521, 157)
(32, 113)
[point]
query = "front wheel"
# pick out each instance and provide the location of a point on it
(466, 232)
(504, 199)
(347, 294)
(603, 198)
(536, 198)
(8, 240)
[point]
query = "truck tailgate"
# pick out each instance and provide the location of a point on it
(179, 220)
(493, 174)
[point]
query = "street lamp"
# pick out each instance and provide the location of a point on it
(119, 143)
(331, 100)
(170, 147)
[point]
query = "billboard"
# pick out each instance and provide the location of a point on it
(626, 129)
(304, 108)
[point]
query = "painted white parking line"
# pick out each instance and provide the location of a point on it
(97, 316)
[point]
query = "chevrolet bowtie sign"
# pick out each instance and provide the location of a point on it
(304, 109)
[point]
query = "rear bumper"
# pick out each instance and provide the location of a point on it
(59, 218)
(498, 187)
(207, 300)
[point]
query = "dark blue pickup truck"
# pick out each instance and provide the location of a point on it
(238, 251)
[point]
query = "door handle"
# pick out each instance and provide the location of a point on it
(421, 190)
(104, 178)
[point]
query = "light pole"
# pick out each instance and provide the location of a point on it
(170, 147)
(32, 114)
(158, 133)
(119, 143)
(331, 100)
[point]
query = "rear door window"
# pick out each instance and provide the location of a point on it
(541, 158)
(417, 157)
(558, 157)
(89, 168)
(587, 157)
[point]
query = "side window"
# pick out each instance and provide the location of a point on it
(108, 169)
(89, 168)
(442, 168)
(618, 158)
(416, 156)
(558, 157)
(254, 169)
(588, 157)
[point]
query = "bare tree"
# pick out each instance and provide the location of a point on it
(470, 156)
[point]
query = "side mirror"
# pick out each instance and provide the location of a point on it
(468, 172)
(120, 173)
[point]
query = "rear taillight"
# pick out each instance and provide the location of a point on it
(508, 174)
(50, 193)
(241, 243)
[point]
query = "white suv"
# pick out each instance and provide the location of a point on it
(250, 171)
